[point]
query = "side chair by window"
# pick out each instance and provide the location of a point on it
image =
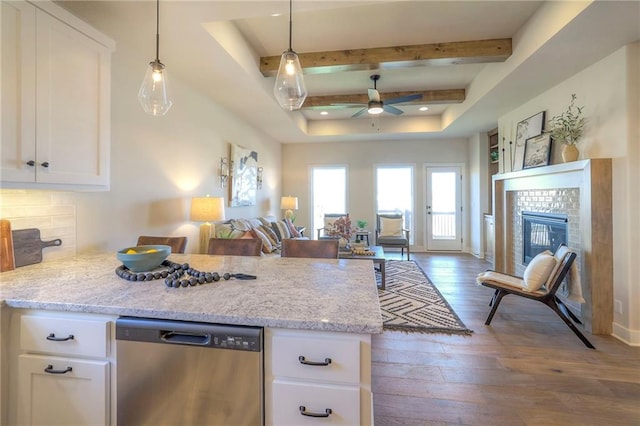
(327, 226)
(391, 233)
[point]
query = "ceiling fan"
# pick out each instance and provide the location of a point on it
(376, 105)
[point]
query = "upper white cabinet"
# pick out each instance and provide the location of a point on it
(55, 115)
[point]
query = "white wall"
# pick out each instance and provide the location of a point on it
(157, 165)
(478, 190)
(360, 159)
(608, 90)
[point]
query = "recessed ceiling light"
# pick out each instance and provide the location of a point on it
(424, 108)
(276, 14)
(324, 113)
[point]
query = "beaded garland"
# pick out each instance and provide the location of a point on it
(172, 275)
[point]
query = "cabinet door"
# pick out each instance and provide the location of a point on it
(17, 113)
(77, 397)
(72, 122)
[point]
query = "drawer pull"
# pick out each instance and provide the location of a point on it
(324, 363)
(53, 338)
(50, 370)
(304, 412)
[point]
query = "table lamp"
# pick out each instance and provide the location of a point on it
(207, 209)
(289, 204)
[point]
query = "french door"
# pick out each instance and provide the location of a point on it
(443, 208)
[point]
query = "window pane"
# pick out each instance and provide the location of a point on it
(394, 192)
(329, 187)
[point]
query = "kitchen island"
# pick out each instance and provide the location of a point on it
(295, 300)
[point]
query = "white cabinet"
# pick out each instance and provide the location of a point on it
(316, 377)
(55, 115)
(63, 373)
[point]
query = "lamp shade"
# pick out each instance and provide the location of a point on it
(289, 203)
(207, 209)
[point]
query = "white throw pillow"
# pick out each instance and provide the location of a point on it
(390, 227)
(538, 271)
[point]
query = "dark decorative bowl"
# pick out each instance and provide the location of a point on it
(143, 258)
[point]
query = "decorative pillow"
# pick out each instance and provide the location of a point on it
(268, 232)
(267, 247)
(227, 230)
(292, 229)
(281, 229)
(390, 227)
(538, 271)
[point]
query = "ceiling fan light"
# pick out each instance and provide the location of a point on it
(375, 108)
(289, 90)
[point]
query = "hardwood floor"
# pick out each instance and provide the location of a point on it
(527, 368)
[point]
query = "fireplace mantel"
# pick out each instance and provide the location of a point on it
(593, 179)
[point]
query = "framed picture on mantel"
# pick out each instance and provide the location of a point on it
(526, 129)
(537, 151)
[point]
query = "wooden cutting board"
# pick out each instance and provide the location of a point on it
(27, 246)
(7, 261)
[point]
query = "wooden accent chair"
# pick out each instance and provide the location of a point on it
(178, 244)
(327, 248)
(235, 246)
(328, 220)
(505, 284)
(391, 233)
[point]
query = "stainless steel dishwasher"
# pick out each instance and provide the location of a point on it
(188, 373)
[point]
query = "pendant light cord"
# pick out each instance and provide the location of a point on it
(157, 30)
(290, 25)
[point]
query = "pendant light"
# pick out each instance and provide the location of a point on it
(154, 93)
(289, 88)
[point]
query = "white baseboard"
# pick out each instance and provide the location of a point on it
(630, 337)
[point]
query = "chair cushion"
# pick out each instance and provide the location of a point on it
(388, 241)
(390, 227)
(538, 271)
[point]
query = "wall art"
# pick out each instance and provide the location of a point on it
(526, 129)
(244, 173)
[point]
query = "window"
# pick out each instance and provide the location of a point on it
(328, 193)
(394, 192)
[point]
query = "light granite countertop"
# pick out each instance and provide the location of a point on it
(306, 294)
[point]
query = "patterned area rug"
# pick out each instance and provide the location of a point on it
(411, 302)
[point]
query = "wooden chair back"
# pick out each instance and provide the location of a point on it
(327, 249)
(235, 246)
(178, 244)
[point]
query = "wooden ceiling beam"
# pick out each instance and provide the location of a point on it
(459, 52)
(449, 96)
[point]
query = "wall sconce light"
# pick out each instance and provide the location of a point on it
(259, 178)
(224, 172)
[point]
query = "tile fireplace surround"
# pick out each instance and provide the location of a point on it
(582, 191)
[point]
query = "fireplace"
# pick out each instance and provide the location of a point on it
(542, 231)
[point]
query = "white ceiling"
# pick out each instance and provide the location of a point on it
(215, 47)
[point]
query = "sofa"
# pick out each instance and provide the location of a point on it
(269, 229)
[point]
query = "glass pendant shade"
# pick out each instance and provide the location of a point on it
(289, 89)
(154, 91)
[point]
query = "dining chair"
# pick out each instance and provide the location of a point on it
(177, 244)
(235, 246)
(327, 249)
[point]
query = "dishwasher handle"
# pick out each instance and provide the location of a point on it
(182, 338)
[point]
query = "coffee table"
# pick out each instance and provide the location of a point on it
(377, 257)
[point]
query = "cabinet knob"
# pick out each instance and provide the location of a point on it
(31, 163)
(45, 164)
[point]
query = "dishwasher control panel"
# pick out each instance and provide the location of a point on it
(218, 336)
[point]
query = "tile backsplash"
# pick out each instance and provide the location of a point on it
(52, 212)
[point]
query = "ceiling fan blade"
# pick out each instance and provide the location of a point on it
(401, 99)
(359, 113)
(391, 109)
(374, 95)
